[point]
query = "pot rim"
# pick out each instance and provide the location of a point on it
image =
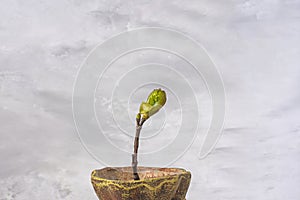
(181, 172)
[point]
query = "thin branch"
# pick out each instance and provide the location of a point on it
(136, 147)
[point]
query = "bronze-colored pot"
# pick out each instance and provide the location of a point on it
(116, 183)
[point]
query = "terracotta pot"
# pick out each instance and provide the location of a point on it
(155, 184)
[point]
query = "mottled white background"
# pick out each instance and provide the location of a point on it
(255, 44)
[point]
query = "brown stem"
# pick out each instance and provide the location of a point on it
(134, 163)
(135, 152)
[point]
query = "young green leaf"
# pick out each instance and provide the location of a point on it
(156, 100)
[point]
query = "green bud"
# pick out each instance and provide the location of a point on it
(156, 100)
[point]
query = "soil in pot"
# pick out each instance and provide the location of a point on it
(155, 183)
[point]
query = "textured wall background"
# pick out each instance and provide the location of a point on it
(255, 44)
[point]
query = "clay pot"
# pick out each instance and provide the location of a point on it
(155, 183)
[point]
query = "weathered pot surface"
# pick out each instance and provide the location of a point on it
(116, 183)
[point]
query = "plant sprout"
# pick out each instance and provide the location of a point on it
(156, 100)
